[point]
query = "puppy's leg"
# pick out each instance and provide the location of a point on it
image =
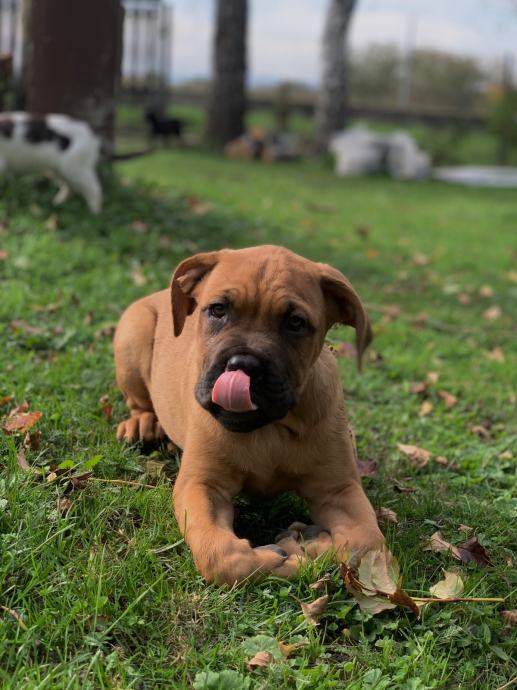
(204, 510)
(342, 509)
(133, 344)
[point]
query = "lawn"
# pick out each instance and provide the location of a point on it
(97, 588)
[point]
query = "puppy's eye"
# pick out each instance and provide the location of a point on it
(218, 310)
(296, 323)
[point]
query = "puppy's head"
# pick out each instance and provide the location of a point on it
(261, 318)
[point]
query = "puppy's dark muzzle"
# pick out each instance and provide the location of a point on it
(270, 389)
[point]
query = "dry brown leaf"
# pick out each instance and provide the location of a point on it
(64, 504)
(419, 259)
(493, 313)
(495, 355)
(425, 408)
(52, 222)
(78, 482)
(419, 457)
(138, 277)
(21, 326)
(20, 421)
(88, 318)
(402, 488)
(386, 515)
(21, 460)
(372, 253)
(471, 550)
(375, 584)
(367, 468)
(510, 617)
(433, 376)
(287, 649)
(106, 407)
(480, 431)
(464, 528)
(451, 586)
(5, 400)
(441, 460)
(419, 387)
(448, 398)
(505, 455)
(512, 275)
(315, 609)
(486, 291)
(197, 206)
(464, 298)
(32, 440)
(139, 226)
(3, 255)
(260, 660)
(321, 583)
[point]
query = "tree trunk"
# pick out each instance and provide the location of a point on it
(73, 55)
(227, 104)
(331, 107)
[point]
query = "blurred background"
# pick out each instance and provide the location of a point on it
(444, 72)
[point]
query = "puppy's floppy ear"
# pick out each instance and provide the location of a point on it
(345, 306)
(186, 277)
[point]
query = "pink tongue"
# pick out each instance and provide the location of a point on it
(232, 392)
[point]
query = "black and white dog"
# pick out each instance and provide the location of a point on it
(58, 143)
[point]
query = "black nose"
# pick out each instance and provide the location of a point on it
(249, 364)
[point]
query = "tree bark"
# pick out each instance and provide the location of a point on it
(331, 106)
(227, 104)
(73, 55)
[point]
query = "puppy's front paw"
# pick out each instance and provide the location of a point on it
(141, 426)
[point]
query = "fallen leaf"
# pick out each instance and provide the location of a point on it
(21, 460)
(375, 584)
(20, 421)
(510, 617)
(138, 277)
(492, 313)
(314, 609)
(52, 222)
(464, 298)
(367, 468)
(139, 226)
(107, 331)
(480, 431)
(49, 308)
(3, 255)
(260, 660)
(419, 387)
(197, 206)
(464, 528)
(448, 398)
(363, 231)
(402, 488)
(495, 355)
(451, 586)
(88, 318)
(486, 291)
(155, 468)
(21, 326)
(471, 550)
(346, 350)
(106, 407)
(425, 408)
(321, 583)
(64, 504)
(78, 482)
(420, 260)
(6, 399)
(375, 358)
(433, 376)
(512, 275)
(505, 455)
(372, 253)
(441, 460)
(419, 457)
(386, 515)
(287, 649)
(15, 615)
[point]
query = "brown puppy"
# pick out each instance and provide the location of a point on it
(230, 363)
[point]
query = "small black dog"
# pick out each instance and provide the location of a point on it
(164, 127)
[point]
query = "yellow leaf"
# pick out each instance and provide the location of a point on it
(448, 588)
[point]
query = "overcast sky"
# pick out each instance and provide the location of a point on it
(284, 34)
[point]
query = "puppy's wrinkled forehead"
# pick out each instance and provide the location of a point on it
(265, 281)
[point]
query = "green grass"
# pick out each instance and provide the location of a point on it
(107, 593)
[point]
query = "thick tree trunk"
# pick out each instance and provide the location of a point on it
(331, 107)
(73, 54)
(227, 105)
